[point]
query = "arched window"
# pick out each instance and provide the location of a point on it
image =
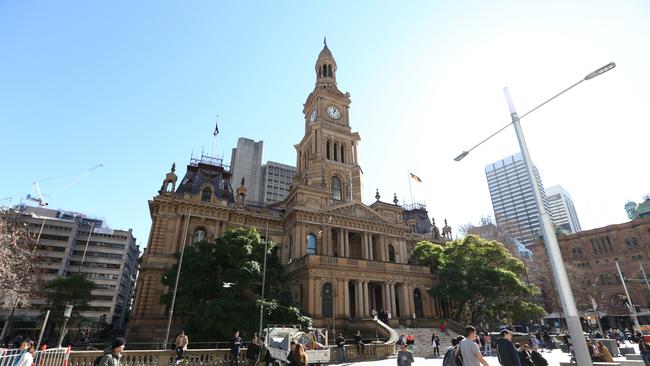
(199, 235)
(326, 297)
(391, 253)
(335, 182)
(329, 70)
(417, 301)
(327, 150)
(206, 195)
(342, 154)
(311, 244)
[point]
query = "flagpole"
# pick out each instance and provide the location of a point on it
(410, 189)
(214, 136)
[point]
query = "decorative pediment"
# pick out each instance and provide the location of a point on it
(356, 210)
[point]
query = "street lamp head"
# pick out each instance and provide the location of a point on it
(461, 156)
(601, 71)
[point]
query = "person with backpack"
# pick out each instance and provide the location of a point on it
(448, 360)
(404, 356)
(506, 352)
(468, 353)
(113, 354)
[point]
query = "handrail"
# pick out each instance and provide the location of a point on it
(392, 334)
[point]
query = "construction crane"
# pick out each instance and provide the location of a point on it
(38, 197)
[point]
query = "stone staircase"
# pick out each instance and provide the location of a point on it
(423, 340)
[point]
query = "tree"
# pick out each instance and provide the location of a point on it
(18, 265)
(210, 307)
(481, 279)
(74, 290)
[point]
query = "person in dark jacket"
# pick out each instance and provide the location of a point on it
(252, 351)
(524, 355)
(235, 347)
(358, 340)
(506, 351)
(112, 355)
(340, 344)
(537, 358)
(291, 356)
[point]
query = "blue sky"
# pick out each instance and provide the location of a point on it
(137, 85)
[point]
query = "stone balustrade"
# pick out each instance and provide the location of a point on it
(213, 357)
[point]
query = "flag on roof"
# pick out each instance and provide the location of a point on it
(415, 177)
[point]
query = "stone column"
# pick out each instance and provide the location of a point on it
(364, 299)
(346, 298)
(364, 246)
(340, 243)
(385, 294)
(406, 301)
(346, 237)
(393, 305)
(371, 247)
(357, 298)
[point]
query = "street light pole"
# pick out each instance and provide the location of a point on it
(597, 313)
(629, 299)
(266, 241)
(552, 247)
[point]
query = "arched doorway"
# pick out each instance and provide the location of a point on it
(417, 301)
(326, 296)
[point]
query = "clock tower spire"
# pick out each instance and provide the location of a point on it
(327, 154)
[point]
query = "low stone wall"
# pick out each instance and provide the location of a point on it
(215, 357)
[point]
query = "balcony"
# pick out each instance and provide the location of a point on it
(355, 264)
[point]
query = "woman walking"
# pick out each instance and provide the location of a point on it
(435, 343)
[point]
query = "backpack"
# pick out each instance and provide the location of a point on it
(98, 360)
(458, 356)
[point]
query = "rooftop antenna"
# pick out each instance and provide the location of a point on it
(214, 135)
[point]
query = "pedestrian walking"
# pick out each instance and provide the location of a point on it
(358, 340)
(340, 345)
(487, 344)
(469, 350)
(235, 348)
(404, 356)
(252, 351)
(448, 360)
(506, 351)
(644, 348)
(300, 357)
(181, 344)
(435, 343)
(113, 354)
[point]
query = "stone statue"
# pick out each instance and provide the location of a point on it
(446, 231)
(435, 232)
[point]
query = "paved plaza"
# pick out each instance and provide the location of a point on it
(553, 358)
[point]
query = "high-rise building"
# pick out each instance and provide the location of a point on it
(71, 243)
(246, 162)
(277, 181)
(563, 212)
(513, 200)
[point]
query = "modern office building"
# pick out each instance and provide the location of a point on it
(563, 212)
(110, 260)
(246, 163)
(513, 200)
(277, 181)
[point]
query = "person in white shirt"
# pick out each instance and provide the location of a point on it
(27, 357)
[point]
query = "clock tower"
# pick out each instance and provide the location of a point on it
(327, 154)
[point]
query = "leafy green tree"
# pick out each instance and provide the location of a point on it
(219, 289)
(480, 277)
(74, 290)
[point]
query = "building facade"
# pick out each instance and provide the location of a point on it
(640, 211)
(246, 163)
(563, 211)
(343, 258)
(110, 260)
(278, 179)
(512, 196)
(590, 258)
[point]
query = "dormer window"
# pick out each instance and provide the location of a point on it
(206, 195)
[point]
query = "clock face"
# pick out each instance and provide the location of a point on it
(333, 112)
(313, 116)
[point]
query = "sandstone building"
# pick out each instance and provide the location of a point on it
(343, 258)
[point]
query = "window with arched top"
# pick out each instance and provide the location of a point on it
(206, 195)
(311, 244)
(391, 253)
(335, 184)
(199, 235)
(417, 302)
(326, 296)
